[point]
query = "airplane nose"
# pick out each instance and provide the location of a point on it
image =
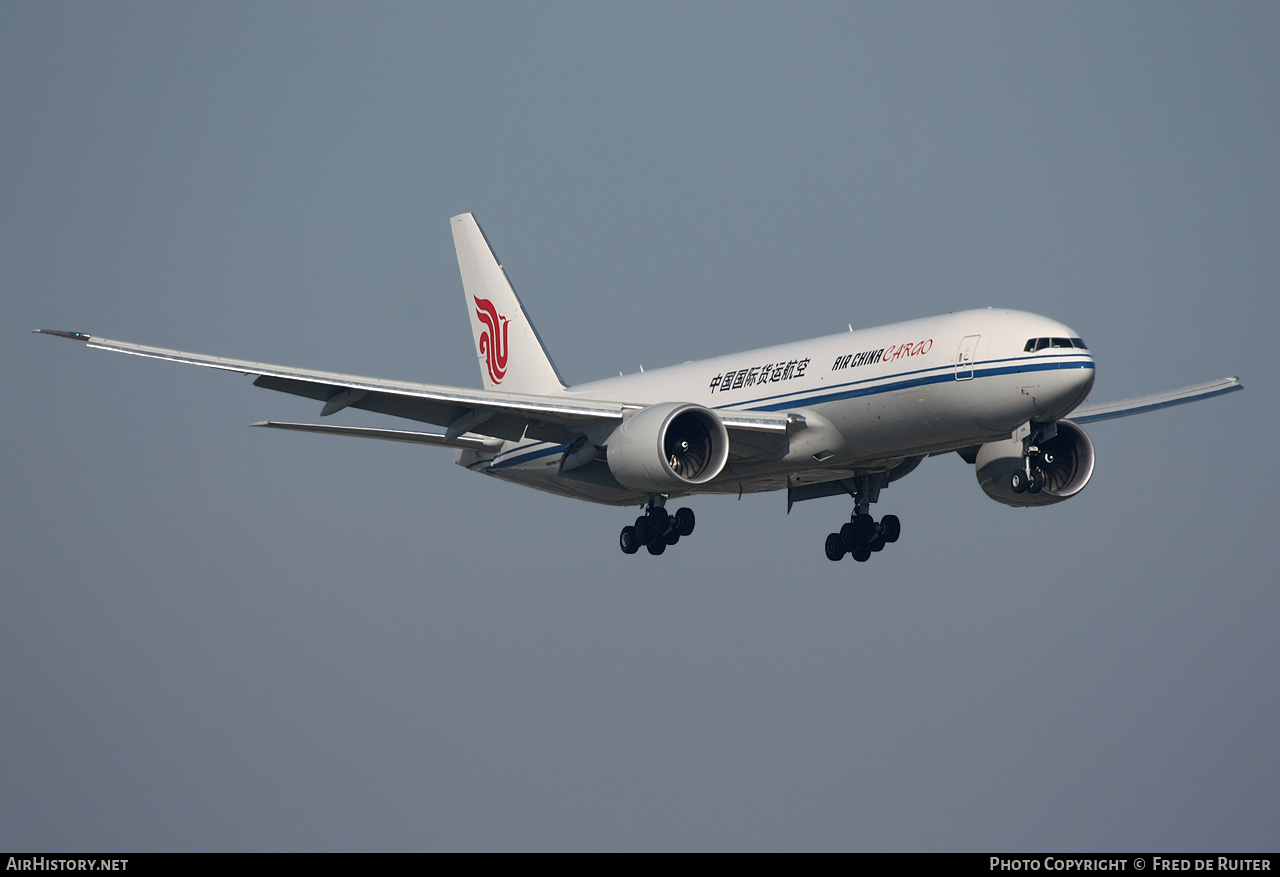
(1084, 376)
(1079, 381)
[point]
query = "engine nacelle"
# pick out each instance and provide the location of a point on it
(668, 447)
(1070, 470)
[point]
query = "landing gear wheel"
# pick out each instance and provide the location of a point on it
(660, 518)
(859, 531)
(876, 544)
(890, 528)
(864, 527)
(1018, 482)
(629, 541)
(671, 538)
(644, 529)
(835, 546)
(848, 539)
(657, 547)
(1037, 480)
(862, 555)
(684, 521)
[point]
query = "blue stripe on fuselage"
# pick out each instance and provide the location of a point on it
(1031, 363)
(518, 455)
(944, 377)
(849, 390)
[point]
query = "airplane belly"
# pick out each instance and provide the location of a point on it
(549, 482)
(537, 465)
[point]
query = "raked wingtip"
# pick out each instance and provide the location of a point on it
(74, 336)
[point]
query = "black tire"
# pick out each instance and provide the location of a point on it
(876, 544)
(657, 547)
(862, 555)
(644, 530)
(628, 540)
(1018, 482)
(890, 528)
(684, 521)
(661, 519)
(847, 537)
(835, 547)
(864, 527)
(671, 538)
(1037, 480)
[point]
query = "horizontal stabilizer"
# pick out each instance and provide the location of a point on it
(466, 443)
(1111, 410)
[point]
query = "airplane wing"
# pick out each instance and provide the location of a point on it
(1111, 410)
(509, 416)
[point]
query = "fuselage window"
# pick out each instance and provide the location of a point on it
(1042, 343)
(1061, 342)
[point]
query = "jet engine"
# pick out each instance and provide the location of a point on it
(1066, 461)
(668, 447)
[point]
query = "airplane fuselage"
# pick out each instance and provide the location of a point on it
(869, 399)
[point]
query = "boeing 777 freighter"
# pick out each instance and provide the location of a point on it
(842, 415)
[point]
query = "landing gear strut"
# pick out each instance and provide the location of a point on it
(863, 536)
(656, 528)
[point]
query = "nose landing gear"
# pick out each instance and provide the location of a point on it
(1036, 462)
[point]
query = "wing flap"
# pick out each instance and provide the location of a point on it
(469, 443)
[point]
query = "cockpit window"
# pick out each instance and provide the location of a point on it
(1034, 344)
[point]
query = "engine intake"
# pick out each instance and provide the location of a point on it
(1067, 461)
(668, 447)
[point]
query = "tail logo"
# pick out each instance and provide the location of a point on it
(493, 340)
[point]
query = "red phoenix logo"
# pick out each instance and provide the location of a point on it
(493, 340)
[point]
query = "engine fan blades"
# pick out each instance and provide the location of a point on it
(687, 454)
(1058, 464)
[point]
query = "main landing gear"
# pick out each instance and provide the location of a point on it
(656, 528)
(862, 536)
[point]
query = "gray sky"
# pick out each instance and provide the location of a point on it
(214, 637)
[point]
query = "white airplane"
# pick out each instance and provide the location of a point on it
(844, 414)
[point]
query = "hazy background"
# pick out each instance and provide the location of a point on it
(214, 637)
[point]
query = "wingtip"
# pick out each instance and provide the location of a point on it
(74, 336)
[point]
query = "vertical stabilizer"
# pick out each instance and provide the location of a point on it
(511, 354)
